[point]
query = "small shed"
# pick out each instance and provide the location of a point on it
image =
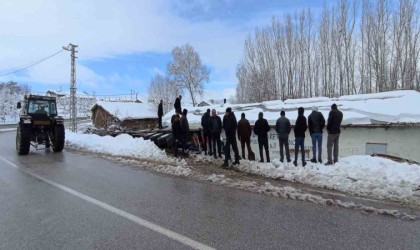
(203, 104)
(125, 115)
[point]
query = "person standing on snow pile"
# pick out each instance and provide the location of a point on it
(205, 124)
(185, 128)
(316, 124)
(177, 104)
(283, 129)
(244, 135)
(160, 113)
(335, 118)
(230, 125)
(300, 129)
(215, 127)
(176, 133)
(261, 129)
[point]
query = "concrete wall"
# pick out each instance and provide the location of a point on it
(403, 142)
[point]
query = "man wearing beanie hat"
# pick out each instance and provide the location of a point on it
(335, 118)
(230, 125)
(300, 129)
(316, 124)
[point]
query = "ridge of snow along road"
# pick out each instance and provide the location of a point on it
(361, 175)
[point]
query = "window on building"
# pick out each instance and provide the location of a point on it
(376, 148)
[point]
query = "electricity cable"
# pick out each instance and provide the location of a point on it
(33, 64)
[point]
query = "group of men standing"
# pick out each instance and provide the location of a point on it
(315, 123)
(212, 126)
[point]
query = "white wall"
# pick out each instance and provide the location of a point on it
(401, 141)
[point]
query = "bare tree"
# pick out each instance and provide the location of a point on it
(162, 88)
(187, 71)
(371, 49)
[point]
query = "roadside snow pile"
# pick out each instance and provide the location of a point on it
(178, 170)
(296, 194)
(361, 175)
(122, 145)
(216, 178)
(7, 129)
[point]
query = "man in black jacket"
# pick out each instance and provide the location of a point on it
(160, 113)
(185, 129)
(230, 125)
(316, 124)
(215, 130)
(261, 128)
(300, 129)
(177, 104)
(176, 133)
(244, 136)
(283, 129)
(205, 124)
(335, 118)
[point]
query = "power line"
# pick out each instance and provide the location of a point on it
(116, 95)
(33, 64)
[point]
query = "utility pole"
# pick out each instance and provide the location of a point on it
(73, 108)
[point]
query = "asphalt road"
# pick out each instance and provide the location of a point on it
(73, 201)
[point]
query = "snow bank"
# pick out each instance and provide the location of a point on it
(122, 145)
(361, 175)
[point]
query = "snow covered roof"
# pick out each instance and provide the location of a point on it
(400, 106)
(128, 110)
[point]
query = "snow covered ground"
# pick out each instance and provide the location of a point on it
(361, 175)
(10, 119)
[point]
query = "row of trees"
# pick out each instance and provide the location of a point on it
(184, 72)
(350, 48)
(10, 93)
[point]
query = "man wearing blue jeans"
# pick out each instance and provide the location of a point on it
(316, 124)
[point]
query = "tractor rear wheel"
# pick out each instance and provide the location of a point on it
(23, 140)
(59, 138)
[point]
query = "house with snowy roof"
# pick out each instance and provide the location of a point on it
(125, 115)
(385, 123)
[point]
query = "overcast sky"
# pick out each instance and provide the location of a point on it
(123, 43)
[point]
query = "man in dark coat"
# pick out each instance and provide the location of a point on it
(230, 125)
(176, 133)
(316, 124)
(283, 129)
(185, 129)
(215, 130)
(160, 113)
(205, 124)
(335, 118)
(244, 135)
(177, 104)
(261, 129)
(300, 129)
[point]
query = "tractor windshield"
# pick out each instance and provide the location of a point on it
(42, 107)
